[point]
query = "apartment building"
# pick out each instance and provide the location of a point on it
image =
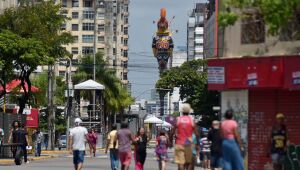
(97, 26)
(195, 32)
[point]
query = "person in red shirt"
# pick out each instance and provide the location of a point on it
(185, 127)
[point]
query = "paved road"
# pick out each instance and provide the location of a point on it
(101, 162)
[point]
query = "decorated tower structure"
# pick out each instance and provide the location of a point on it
(162, 46)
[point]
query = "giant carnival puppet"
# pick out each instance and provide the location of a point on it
(162, 44)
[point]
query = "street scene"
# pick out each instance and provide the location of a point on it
(150, 84)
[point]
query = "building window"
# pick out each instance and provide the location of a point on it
(125, 41)
(126, 30)
(88, 26)
(75, 15)
(100, 50)
(290, 32)
(114, 51)
(75, 3)
(74, 50)
(74, 27)
(75, 38)
(125, 53)
(101, 15)
(125, 76)
(125, 64)
(87, 50)
(101, 39)
(253, 29)
(87, 3)
(62, 73)
(88, 14)
(64, 3)
(126, 20)
(87, 38)
(100, 27)
(63, 26)
(101, 4)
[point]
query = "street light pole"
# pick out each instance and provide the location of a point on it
(94, 56)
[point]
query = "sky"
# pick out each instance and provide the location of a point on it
(143, 67)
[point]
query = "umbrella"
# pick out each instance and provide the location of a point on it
(165, 124)
(153, 120)
(16, 85)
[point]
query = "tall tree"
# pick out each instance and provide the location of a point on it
(115, 96)
(191, 78)
(278, 15)
(42, 23)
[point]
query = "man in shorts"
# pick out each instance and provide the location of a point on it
(124, 138)
(185, 127)
(77, 141)
(278, 142)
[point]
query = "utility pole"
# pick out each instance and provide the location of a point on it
(69, 97)
(51, 112)
(94, 55)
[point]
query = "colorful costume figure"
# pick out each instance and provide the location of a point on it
(162, 44)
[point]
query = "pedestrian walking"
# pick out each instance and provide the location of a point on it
(38, 135)
(18, 135)
(232, 144)
(205, 150)
(125, 138)
(140, 149)
(196, 153)
(279, 142)
(92, 141)
(214, 136)
(185, 127)
(161, 149)
(77, 139)
(112, 145)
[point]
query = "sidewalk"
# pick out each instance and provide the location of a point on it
(30, 158)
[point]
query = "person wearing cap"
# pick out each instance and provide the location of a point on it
(185, 127)
(278, 142)
(214, 136)
(77, 139)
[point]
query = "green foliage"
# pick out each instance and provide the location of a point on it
(30, 37)
(277, 14)
(191, 78)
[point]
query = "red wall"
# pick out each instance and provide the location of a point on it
(263, 106)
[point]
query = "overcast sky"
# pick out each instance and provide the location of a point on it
(143, 71)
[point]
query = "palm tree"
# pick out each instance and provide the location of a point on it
(115, 97)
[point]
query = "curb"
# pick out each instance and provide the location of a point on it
(11, 161)
(58, 152)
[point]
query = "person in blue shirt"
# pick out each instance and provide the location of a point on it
(196, 150)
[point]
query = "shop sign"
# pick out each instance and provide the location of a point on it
(216, 75)
(252, 79)
(296, 78)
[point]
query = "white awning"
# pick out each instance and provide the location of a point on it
(154, 120)
(89, 85)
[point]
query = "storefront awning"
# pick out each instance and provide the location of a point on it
(274, 72)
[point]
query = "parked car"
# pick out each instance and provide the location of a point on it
(62, 142)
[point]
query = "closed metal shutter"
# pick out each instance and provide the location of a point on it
(263, 107)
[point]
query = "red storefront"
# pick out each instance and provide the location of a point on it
(273, 85)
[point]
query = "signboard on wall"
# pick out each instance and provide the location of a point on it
(216, 75)
(296, 78)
